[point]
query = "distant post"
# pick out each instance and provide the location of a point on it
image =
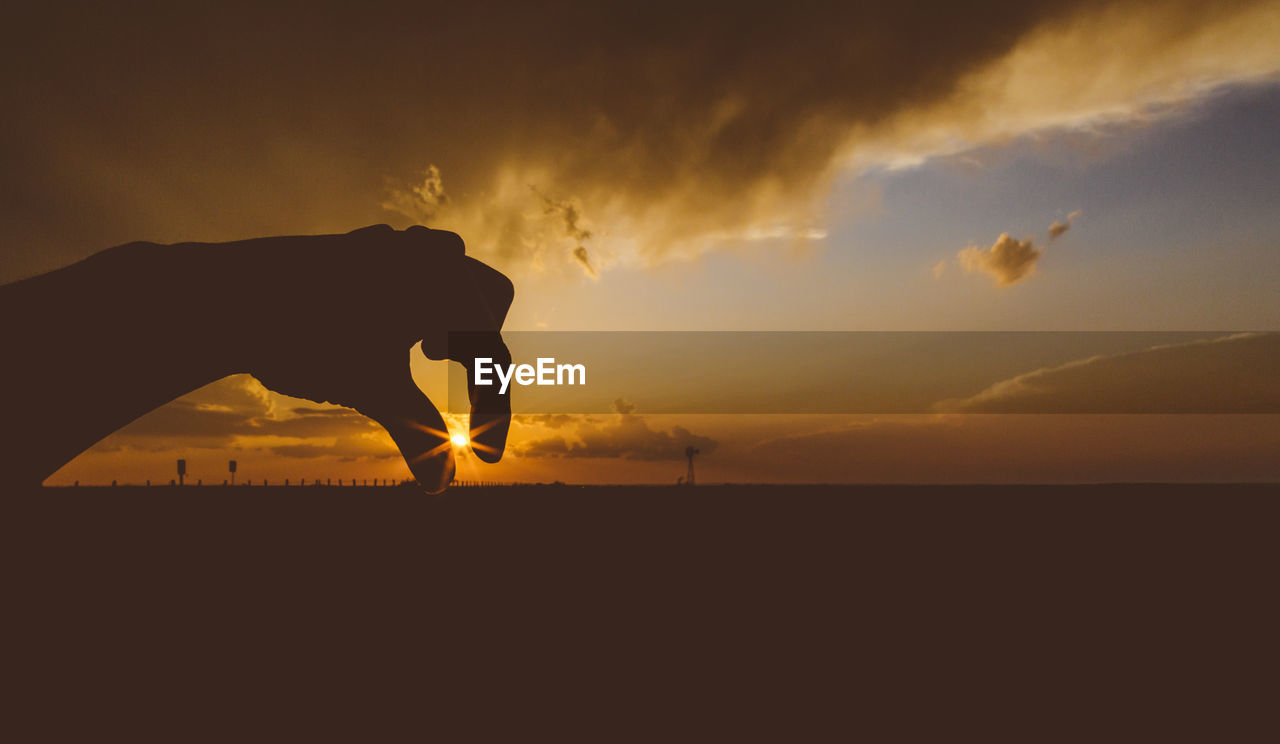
(182, 471)
(232, 467)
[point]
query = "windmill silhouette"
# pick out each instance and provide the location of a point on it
(689, 452)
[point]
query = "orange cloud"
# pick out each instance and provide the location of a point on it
(670, 131)
(625, 435)
(1008, 260)
(237, 413)
(1058, 229)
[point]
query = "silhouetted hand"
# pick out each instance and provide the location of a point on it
(364, 299)
(330, 318)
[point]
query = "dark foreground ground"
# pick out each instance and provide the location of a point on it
(798, 614)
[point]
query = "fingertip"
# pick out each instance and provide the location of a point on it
(428, 453)
(418, 430)
(488, 435)
(434, 474)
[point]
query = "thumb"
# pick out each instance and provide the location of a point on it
(419, 431)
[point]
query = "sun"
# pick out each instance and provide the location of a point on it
(459, 440)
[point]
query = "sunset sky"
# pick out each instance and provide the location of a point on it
(1012, 166)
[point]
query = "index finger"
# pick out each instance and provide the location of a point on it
(475, 301)
(490, 418)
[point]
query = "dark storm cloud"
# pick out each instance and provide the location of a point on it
(222, 120)
(669, 124)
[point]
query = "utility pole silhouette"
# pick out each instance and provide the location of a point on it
(689, 452)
